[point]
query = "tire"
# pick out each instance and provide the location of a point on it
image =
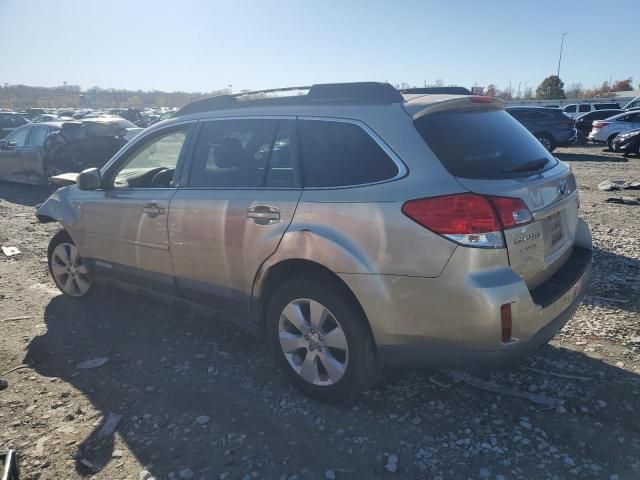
(610, 142)
(638, 149)
(340, 367)
(547, 141)
(582, 139)
(69, 271)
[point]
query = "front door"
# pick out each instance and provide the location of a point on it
(239, 199)
(11, 167)
(126, 223)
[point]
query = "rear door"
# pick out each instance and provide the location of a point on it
(237, 201)
(490, 153)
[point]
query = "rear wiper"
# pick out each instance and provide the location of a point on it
(529, 166)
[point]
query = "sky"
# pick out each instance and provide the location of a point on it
(197, 45)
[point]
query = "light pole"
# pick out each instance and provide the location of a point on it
(560, 58)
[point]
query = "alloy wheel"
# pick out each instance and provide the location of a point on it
(313, 342)
(69, 270)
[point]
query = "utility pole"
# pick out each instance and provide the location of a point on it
(560, 58)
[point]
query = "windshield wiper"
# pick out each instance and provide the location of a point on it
(529, 166)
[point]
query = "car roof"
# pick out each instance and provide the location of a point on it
(623, 113)
(524, 107)
(55, 125)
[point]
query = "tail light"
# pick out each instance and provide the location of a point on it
(468, 218)
(600, 124)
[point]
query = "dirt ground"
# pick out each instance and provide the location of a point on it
(200, 399)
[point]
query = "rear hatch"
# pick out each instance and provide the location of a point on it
(490, 153)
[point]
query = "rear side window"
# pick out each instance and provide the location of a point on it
(571, 109)
(585, 108)
(338, 154)
(484, 144)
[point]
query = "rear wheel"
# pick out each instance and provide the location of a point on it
(70, 272)
(546, 141)
(320, 339)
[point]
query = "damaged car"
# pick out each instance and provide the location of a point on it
(350, 228)
(38, 152)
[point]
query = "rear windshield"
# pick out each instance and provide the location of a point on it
(483, 144)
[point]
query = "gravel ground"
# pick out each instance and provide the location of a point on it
(195, 398)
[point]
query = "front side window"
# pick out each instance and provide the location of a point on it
(38, 136)
(337, 154)
(18, 136)
(245, 153)
(153, 163)
(570, 109)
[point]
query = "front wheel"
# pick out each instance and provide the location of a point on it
(320, 339)
(70, 272)
(610, 142)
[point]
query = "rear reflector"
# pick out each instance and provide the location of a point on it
(505, 321)
(468, 218)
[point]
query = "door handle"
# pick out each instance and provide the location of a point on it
(263, 214)
(153, 210)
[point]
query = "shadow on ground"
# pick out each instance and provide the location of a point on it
(595, 157)
(618, 274)
(167, 366)
(22, 194)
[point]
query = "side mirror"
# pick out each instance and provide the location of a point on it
(4, 145)
(89, 179)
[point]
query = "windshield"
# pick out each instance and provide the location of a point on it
(483, 144)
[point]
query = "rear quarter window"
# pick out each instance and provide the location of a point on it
(482, 144)
(339, 154)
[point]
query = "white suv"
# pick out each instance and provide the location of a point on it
(577, 109)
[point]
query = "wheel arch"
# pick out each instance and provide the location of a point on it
(286, 269)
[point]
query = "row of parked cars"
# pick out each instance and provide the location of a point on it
(36, 152)
(605, 123)
(10, 120)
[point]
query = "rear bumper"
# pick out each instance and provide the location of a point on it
(453, 321)
(568, 139)
(597, 137)
(421, 356)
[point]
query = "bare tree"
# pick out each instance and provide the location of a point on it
(575, 90)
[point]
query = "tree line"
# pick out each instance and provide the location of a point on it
(553, 88)
(72, 96)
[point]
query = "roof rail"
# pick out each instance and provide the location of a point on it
(438, 91)
(357, 92)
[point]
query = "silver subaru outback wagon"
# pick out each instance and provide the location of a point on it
(353, 227)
